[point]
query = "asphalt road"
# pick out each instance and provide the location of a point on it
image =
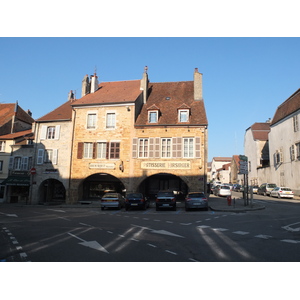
(87, 234)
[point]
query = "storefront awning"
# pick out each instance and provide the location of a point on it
(17, 180)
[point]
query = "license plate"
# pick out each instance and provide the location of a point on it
(134, 204)
(165, 205)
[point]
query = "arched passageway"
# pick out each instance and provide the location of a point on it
(163, 181)
(52, 191)
(96, 185)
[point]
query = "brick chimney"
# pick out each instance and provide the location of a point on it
(144, 85)
(197, 85)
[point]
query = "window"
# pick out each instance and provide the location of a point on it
(165, 147)
(91, 120)
(188, 147)
(2, 146)
(50, 132)
(1, 165)
(110, 120)
(88, 150)
(143, 148)
(101, 150)
(17, 163)
(298, 150)
(153, 116)
(114, 150)
(295, 123)
(44, 156)
(183, 115)
(278, 157)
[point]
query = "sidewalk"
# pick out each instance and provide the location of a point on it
(237, 204)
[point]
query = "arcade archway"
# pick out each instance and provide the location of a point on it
(96, 185)
(52, 191)
(163, 181)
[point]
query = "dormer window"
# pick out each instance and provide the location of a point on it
(183, 115)
(152, 116)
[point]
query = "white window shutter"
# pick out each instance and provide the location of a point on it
(43, 132)
(40, 157)
(24, 163)
(54, 158)
(57, 132)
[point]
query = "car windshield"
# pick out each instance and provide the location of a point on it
(196, 195)
(285, 189)
(225, 187)
(135, 195)
(110, 196)
(165, 194)
(272, 185)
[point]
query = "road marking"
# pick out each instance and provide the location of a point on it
(263, 236)
(289, 228)
(171, 252)
(241, 232)
(151, 245)
(91, 244)
(170, 222)
(193, 260)
(9, 215)
(23, 255)
(85, 224)
(134, 240)
(203, 226)
(109, 232)
(185, 224)
(56, 210)
(290, 241)
(219, 229)
(164, 232)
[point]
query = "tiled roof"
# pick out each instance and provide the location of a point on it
(112, 92)
(222, 159)
(289, 106)
(7, 111)
(260, 131)
(168, 97)
(63, 112)
(12, 136)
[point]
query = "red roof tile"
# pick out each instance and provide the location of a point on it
(112, 92)
(168, 97)
(260, 131)
(63, 112)
(12, 136)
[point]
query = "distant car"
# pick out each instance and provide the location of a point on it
(136, 200)
(222, 190)
(266, 188)
(282, 192)
(196, 200)
(165, 199)
(254, 189)
(236, 187)
(112, 200)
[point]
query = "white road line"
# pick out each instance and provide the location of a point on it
(151, 245)
(193, 259)
(219, 229)
(134, 240)
(85, 224)
(109, 232)
(57, 210)
(263, 236)
(23, 255)
(185, 224)
(203, 226)
(290, 241)
(170, 222)
(171, 252)
(241, 232)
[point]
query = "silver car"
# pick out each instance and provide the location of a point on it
(112, 200)
(196, 200)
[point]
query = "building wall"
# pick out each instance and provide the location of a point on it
(60, 170)
(281, 138)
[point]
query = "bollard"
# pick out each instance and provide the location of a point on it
(229, 200)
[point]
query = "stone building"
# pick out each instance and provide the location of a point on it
(138, 136)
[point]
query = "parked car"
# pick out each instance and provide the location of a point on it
(222, 190)
(136, 200)
(236, 187)
(165, 199)
(266, 188)
(282, 192)
(254, 189)
(196, 200)
(112, 200)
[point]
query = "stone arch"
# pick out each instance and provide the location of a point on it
(52, 191)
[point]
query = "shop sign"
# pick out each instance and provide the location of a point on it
(109, 166)
(169, 165)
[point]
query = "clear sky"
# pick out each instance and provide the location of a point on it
(244, 79)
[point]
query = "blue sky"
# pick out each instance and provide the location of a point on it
(244, 79)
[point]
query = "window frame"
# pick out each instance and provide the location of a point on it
(166, 149)
(188, 153)
(110, 124)
(2, 146)
(150, 113)
(101, 149)
(91, 122)
(143, 148)
(180, 114)
(87, 150)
